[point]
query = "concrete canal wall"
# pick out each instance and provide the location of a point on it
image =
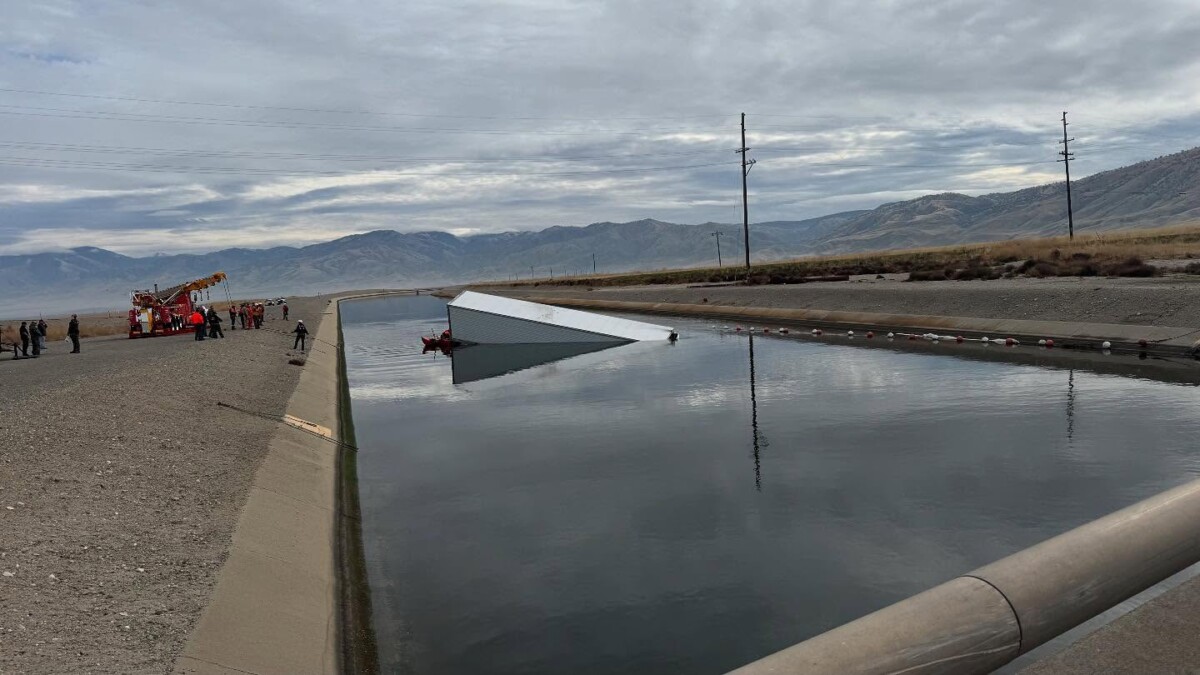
(275, 607)
(291, 596)
(986, 618)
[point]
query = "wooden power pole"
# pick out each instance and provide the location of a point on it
(1067, 156)
(746, 165)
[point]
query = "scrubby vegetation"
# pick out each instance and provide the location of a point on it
(1120, 254)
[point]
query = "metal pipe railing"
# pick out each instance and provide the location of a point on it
(982, 620)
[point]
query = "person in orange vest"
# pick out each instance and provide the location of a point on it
(197, 321)
(259, 312)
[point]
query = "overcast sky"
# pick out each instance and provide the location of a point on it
(164, 126)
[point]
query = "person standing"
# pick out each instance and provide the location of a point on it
(214, 324)
(197, 322)
(232, 316)
(301, 333)
(41, 327)
(242, 315)
(73, 333)
(285, 311)
(35, 339)
(24, 339)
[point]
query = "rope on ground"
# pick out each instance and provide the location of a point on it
(284, 419)
(310, 337)
(1176, 337)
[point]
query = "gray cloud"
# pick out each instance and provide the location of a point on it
(485, 116)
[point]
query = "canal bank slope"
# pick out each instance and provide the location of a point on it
(274, 608)
(291, 597)
(1165, 310)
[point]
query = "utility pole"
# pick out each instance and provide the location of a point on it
(718, 234)
(746, 166)
(1067, 157)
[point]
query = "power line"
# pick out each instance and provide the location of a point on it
(111, 116)
(245, 106)
(40, 162)
(243, 154)
(924, 165)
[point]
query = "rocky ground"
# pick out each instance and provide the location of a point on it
(121, 480)
(1166, 301)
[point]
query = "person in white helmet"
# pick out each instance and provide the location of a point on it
(301, 333)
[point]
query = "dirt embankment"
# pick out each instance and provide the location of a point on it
(121, 481)
(1168, 301)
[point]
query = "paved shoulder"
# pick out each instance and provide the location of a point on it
(1162, 636)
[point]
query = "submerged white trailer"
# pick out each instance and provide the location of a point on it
(478, 318)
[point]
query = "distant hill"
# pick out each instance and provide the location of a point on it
(1158, 192)
(1153, 193)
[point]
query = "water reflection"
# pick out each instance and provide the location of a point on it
(481, 362)
(1071, 405)
(757, 439)
(593, 515)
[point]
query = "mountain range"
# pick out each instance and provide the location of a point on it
(1153, 193)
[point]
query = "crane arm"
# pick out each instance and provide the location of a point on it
(167, 295)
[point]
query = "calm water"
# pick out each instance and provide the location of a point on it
(664, 509)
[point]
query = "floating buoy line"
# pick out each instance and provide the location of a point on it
(1104, 346)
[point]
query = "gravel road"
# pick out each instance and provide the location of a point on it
(1167, 301)
(121, 481)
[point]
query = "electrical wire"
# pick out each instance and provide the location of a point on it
(36, 162)
(113, 116)
(243, 106)
(246, 154)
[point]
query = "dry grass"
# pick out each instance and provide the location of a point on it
(93, 325)
(1117, 253)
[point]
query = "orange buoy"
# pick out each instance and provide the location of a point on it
(870, 334)
(958, 339)
(1049, 343)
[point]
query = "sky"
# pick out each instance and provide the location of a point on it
(158, 126)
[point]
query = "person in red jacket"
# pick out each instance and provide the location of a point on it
(197, 322)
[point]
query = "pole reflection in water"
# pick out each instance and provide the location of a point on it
(758, 440)
(1071, 406)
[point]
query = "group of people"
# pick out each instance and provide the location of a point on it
(207, 322)
(33, 334)
(251, 313)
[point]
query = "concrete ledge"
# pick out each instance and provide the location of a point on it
(276, 608)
